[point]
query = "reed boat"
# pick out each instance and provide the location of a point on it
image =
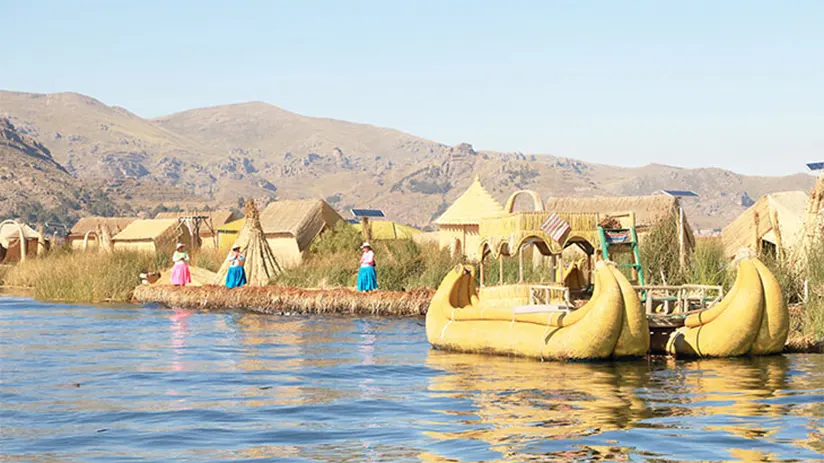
(501, 320)
(752, 319)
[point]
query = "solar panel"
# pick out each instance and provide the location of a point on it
(815, 166)
(353, 221)
(682, 193)
(367, 213)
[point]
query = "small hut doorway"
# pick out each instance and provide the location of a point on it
(457, 248)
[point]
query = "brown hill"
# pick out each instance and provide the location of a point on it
(34, 186)
(28, 172)
(259, 150)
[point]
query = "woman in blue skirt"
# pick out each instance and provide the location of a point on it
(236, 276)
(367, 277)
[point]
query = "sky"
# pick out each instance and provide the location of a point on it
(736, 84)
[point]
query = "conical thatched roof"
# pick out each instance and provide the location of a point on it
(475, 204)
(261, 265)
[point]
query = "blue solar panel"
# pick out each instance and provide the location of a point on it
(816, 165)
(353, 221)
(367, 213)
(684, 193)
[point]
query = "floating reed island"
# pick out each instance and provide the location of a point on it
(281, 300)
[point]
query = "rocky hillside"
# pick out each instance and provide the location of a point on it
(28, 172)
(259, 150)
(33, 185)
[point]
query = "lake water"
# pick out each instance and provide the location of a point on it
(149, 384)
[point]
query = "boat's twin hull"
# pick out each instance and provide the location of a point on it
(459, 320)
(751, 320)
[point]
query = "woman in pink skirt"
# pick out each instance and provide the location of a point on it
(180, 272)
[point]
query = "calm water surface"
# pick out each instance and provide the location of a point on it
(150, 384)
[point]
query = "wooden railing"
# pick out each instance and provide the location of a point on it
(549, 294)
(678, 299)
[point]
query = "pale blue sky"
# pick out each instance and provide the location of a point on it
(733, 84)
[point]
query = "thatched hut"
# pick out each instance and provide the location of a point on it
(458, 225)
(291, 226)
(774, 224)
(228, 233)
(84, 234)
(10, 246)
(151, 236)
(207, 232)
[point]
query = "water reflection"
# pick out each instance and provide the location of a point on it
(519, 403)
(110, 384)
(524, 410)
(179, 330)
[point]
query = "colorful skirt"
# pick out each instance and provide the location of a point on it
(367, 279)
(180, 274)
(236, 277)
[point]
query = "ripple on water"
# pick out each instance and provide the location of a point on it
(148, 384)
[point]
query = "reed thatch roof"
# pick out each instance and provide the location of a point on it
(145, 229)
(90, 224)
(302, 219)
(777, 218)
(10, 233)
(475, 204)
(647, 209)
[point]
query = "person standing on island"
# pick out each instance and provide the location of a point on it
(180, 272)
(367, 277)
(236, 276)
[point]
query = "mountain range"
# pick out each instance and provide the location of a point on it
(213, 156)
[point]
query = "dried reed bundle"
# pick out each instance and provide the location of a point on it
(260, 265)
(279, 299)
(104, 238)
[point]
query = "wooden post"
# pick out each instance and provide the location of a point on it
(366, 229)
(552, 261)
(779, 246)
(501, 268)
(482, 270)
(521, 264)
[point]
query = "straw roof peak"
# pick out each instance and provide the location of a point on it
(473, 205)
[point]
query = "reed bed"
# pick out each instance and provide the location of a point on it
(402, 265)
(282, 300)
(67, 276)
